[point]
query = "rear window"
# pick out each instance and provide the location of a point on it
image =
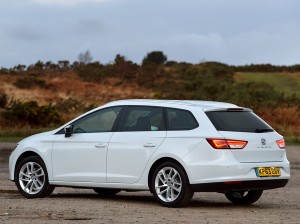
(238, 121)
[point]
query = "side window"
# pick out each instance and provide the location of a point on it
(142, 118)
(99, 121)
(181, 120)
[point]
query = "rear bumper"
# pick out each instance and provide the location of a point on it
(239, 185)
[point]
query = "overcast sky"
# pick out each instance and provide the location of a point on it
(229, 31)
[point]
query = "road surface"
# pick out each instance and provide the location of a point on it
(67, 205)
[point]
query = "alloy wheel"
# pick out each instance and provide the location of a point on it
(31, 178)
(168, 184)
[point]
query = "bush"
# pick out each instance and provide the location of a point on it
(72, 105)
(217, 70)
(123, 68)
(205, 81)
(252, 94)
(3, 99)
(29, 82)
(31, 113)
(93, 72)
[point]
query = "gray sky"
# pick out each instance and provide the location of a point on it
(229, 31)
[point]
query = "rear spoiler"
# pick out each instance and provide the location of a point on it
(228, 109)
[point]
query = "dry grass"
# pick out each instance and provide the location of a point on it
(286, 120)
(68, 85)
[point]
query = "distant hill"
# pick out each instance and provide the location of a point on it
(70, 89)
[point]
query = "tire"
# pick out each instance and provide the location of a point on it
(170, 185)
(106, 191)
(31, 178)
(244, 197)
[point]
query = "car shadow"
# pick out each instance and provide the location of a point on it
(118, 197)
(218, 204)
(150, 200)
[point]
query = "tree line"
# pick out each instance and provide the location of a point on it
(152, 58)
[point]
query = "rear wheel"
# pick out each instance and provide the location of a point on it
(31, 178)
(106, 191)
(244, 197)
(170, 185)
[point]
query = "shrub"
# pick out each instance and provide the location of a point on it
(29, 82)
(252, 94)
(72, 105)
(93, 72)
(123, 68)
(31, 113)
(217, 70)
(3, 99)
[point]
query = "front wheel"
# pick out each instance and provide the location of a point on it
(31, 178)
(244, 197)
(170, 185)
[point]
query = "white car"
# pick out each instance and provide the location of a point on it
(172, 148)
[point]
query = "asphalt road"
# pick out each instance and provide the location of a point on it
(67, 205)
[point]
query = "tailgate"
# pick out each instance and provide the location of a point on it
(261, 147)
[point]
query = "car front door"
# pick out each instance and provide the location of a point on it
(82, 156)
(141, 134)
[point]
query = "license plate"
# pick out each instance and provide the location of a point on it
(268, 172)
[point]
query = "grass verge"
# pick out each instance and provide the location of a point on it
(15, 135)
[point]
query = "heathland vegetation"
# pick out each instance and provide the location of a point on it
(44, 95)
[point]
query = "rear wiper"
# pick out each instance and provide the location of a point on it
(261, 130)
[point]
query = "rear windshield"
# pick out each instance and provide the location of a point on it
(238, 121)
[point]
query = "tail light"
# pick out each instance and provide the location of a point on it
(227, 143)
(281, 143)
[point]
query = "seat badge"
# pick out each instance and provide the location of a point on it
(263, 145)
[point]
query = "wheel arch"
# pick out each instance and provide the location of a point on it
(43, 189)
(160, 161)
(27, 154)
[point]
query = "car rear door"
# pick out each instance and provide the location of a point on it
(142, 132)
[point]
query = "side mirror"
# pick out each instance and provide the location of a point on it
(68, 131)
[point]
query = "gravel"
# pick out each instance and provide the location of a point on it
(68, 205)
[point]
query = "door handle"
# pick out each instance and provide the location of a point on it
(149, 145)
(101, 145)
